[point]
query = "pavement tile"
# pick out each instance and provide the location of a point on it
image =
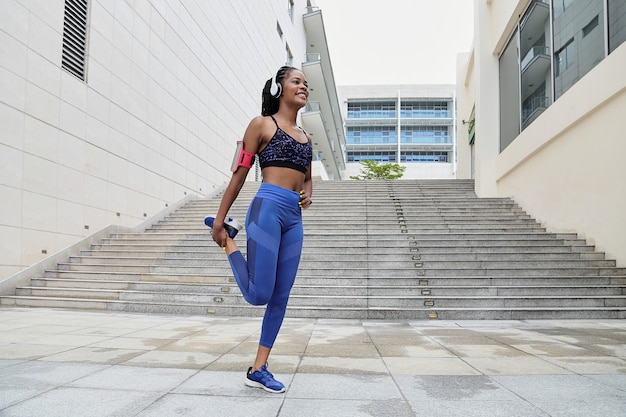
(11, 395)
(157, 333)
(102, 364)
(617, 381)
(453, 388)
(431, 350)
(354, 408)
(342, 365)
(5, 363)
(134, 378)
(568, 395)
(614, 408)
(55, 339)
(485, 351)
(102, 331)
(513, 408)
(618, 351)
(528, 365)
(429, 366)
(30, 352)
(33, 373)
(560, 388)
(346, 387)
(90, 354)
(18, 336)
(82, 402)
(590, 365)
(131, 343)
(171, 359)
(194, 344)
(555, 349)
(343, 350)
(182, 405)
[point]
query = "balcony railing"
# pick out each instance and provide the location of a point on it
(312, 9)
(312, 57)
(312, 106)
(534, 52)
(372, 114)
(425, 114)
(426, 139)
(534, 107)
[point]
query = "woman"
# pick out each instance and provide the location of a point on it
(274, 221)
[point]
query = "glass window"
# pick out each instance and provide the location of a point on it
(509, 94)
(590, 26)
(559, 6)
(424, 109)
(424, 156)
(288, 56)
(290, 9)
(578, 37)
(565, 57)
(424, 134)
(378, 156)
(370, 134)
(372, 110)
(617, 23)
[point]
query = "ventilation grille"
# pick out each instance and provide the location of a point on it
(75, 37)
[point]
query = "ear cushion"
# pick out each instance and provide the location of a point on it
(275, 89)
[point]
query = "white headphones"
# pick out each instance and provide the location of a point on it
(275, 88)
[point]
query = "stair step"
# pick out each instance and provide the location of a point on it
(373, 313)
(406, 301)
(390, 289)
(406, 249)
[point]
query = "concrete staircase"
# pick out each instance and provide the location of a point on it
(405, 249)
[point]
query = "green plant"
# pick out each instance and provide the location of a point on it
(373, 170)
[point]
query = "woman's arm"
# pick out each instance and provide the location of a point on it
(251, 142)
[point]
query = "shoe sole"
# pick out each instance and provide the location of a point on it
(254, 384)
(232, 226)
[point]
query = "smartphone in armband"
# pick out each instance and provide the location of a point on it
(242, 158)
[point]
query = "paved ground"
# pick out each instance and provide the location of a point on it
(72, 364)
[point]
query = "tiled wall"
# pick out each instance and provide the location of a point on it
(171, 85)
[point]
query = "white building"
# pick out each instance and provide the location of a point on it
(113, 110)
(411, 125)
(544, 89)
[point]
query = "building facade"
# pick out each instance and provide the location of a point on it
(544, 92)
(412, 125)
(111, 111)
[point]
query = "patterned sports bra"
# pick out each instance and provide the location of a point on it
(284, 151)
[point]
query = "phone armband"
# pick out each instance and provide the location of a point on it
(242, 158)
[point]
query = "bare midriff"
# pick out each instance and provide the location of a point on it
(288, 178)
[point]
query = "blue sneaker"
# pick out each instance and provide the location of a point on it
(264, 379)
(231, 225)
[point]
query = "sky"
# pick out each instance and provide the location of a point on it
(396, 41)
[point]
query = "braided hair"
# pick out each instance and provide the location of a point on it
(270, 103)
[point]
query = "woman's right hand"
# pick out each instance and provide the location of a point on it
(219, 234)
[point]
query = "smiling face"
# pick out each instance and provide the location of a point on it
(295, 87)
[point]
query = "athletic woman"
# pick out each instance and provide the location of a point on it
(274, 220)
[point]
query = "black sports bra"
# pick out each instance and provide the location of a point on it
(284, 151)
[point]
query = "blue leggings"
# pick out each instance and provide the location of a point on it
(274, 245)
